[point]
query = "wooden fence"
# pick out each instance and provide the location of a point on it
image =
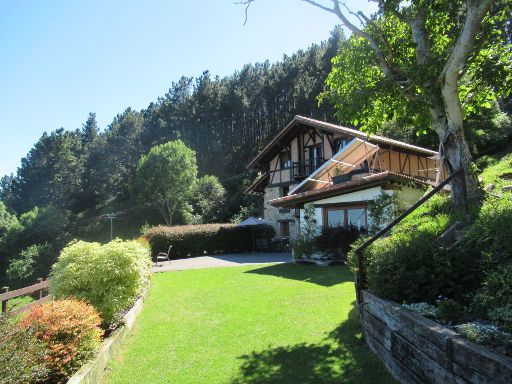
(39, 290)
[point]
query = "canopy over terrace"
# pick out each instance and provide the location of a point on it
(346, 160)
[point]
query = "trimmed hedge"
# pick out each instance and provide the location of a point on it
(196, 240)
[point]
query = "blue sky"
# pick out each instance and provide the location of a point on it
(60, 60)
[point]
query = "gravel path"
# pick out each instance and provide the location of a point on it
(231, 260)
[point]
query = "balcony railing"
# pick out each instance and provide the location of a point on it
(302, 169)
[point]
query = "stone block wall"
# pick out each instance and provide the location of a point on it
(275, 215)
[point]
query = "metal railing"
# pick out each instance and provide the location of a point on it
(302, 169)
(361, 274)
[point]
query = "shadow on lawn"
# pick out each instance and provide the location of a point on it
(326, 276)
(342, 357)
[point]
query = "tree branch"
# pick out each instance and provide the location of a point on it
(387, 68)
(475, 12)
(420, 36)
(247, 4)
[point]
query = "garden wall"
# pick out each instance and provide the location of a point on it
(417, 350)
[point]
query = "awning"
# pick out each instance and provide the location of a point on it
(344, 161)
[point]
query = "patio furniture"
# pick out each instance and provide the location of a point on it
(162, 256)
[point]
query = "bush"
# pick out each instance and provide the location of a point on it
(195, 240)
(303, 247)
(21, 354)
(410, 266)
(487, 334)
(494, 299)
(109, 276)
(423, 309)
(335, 242)
(70, 330)
(490, 236)
(449, 310)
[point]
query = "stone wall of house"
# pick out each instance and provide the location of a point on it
(274, 216)
(418, 350)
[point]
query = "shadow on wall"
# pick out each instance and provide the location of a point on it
(332, 275)
(342, 357)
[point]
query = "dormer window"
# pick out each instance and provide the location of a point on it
(285, 159)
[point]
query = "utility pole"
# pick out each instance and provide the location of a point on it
(111, 217)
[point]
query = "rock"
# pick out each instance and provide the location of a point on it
(506, 176)
(506, 188)
(490, 187)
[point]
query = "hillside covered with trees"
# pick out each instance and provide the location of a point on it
(70, 178)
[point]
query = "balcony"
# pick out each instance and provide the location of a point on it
(302, 169)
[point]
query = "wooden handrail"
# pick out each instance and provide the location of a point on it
(6, 295)
(361, 278)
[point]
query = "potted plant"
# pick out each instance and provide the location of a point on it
(338, 176)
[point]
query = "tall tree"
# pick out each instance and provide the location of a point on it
(434, 75)
(90, 130)
(51, 172)
(166, 174)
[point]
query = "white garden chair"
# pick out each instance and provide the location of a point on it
(162, 256)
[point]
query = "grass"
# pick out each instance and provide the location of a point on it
(18, 302)
(272, 324)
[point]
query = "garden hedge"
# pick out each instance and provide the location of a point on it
(196, 240)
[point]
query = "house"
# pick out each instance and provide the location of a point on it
(338, 170)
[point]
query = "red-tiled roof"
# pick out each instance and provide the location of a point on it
(366, 182)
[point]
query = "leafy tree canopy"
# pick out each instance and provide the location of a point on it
(364, 96)
(167, 174)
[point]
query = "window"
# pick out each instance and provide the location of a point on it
(285, 159)
(285, 229)
(344, 216)
(335, 218)
(340, 143)
(315, 156)
(284, 191)
(356, 217)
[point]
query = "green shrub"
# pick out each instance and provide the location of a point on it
(486, 334)
(449, 310)
(195, 240)
(410, 265)
(335, 242)
(22, 355)
(494, 299)
(70, 331)
(491, 234)
(423, 309)
(303, 247)
(109, 276)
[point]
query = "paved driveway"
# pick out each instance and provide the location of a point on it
(230, 260)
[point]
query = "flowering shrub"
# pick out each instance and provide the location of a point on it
(109, 276)
(21, 354)
(487, 334)
(423, 309)
(70, 330)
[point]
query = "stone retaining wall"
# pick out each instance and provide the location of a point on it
(417, 350)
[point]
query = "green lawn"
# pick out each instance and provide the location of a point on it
(272, 324)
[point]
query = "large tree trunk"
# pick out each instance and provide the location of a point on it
(454, 149)
(447, 121)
